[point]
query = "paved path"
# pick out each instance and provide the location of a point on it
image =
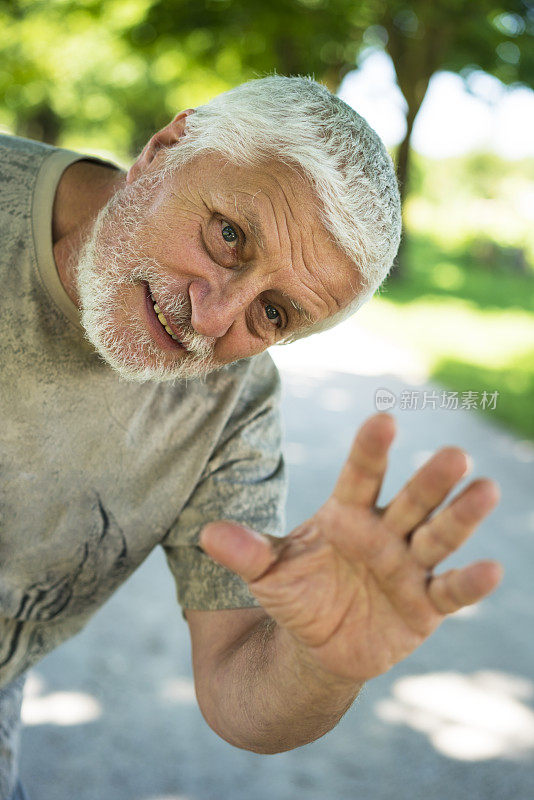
(112, 715)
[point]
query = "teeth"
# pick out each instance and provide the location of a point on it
(163, 321)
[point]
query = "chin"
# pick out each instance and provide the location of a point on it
(132, 354)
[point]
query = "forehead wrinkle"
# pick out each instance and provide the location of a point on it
(254, 225)
(281, 217)
(306, 317)
(307, 243)
(313, 222)
(286, 219)
(326, 274)
(251, 217)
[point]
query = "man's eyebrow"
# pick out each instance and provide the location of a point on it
(254, 223)
(304, 315)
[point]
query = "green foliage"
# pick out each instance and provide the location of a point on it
(461, 35)
(109, 72)
(463, 271)
(515, 384)
(65, 70)
(473, 323)
(474, 175)
(476, 203)
(70, 74)
(292, 36)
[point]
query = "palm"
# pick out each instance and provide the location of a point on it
(347, 602)
(353, 584)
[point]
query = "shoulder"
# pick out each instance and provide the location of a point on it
(83, 189)
(17, 148)
(246, 384)
(255, 379)
(254, 387)
(20, 162)
(237, 400)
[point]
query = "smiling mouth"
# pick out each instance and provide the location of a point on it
(160, 320)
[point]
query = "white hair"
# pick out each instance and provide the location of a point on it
(299, 122)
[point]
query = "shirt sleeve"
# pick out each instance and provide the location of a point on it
(243, 481)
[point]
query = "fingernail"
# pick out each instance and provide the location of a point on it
(469, 464)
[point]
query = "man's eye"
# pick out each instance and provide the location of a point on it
(273, 315)
(229, 234)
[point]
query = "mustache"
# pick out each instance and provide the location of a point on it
(116, 251)
(176, 305)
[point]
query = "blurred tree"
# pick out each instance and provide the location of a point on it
(461, 36)
(324, 37)
(111, 71)
(78, 72)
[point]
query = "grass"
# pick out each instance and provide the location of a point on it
(515, 384)
(471, 316)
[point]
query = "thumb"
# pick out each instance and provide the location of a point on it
(244, 551)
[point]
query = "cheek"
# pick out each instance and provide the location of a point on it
(177, 245)
(238, 343)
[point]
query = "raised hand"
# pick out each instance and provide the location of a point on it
(354, 585)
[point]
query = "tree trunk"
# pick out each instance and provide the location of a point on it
(42, 124)
(415, 57)
(403, 176)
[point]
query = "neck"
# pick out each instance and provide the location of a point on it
(84, 189)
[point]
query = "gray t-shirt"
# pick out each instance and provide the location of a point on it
(96, 471)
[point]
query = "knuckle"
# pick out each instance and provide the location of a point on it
(415, 498)
(451, 593)
(461, 515)
(438, 541)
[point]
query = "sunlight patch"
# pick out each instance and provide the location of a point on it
(295, 453)
(467, 717)
(467, 612)
(168, 797)
(60, 708)
(350, 348)
(334, 399)
(179, 690)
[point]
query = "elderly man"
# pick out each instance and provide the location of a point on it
(266, 215)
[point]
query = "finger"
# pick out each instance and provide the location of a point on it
(444, 533)
(462, 587)
(426, 490)
(361, 477)
(244, 551)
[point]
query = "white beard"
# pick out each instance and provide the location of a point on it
(111, 261)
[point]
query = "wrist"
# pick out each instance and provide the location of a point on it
(311, 670)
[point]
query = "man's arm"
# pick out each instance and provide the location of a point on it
(254, 685)
(344, 596)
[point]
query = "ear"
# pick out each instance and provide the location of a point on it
(166, 137)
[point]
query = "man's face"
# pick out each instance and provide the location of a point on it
(232, 259)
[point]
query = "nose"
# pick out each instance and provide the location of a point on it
(216, 306)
